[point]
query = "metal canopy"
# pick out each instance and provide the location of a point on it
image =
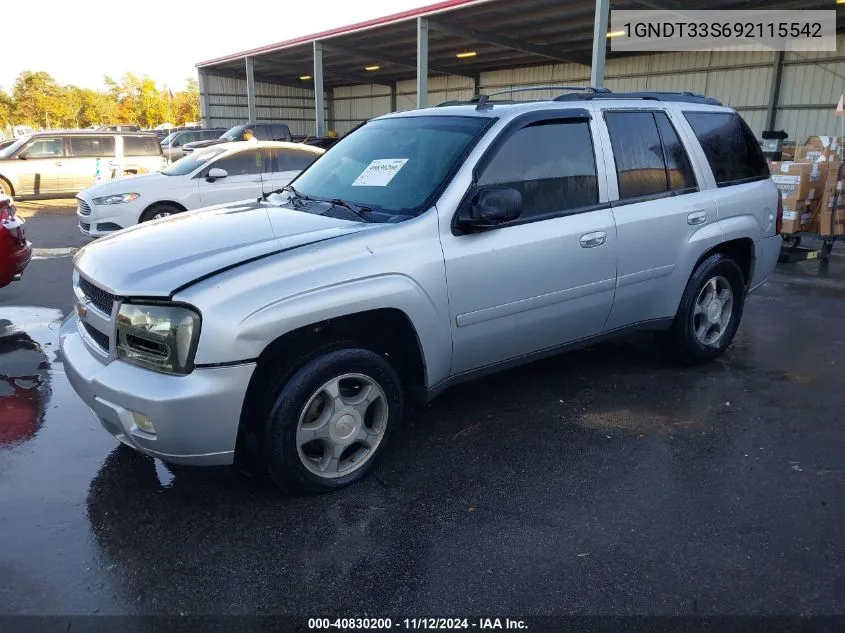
(503, 34)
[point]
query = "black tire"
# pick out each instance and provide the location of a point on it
(154, 210)
(680, 340)
(6, 187)
(279, 444)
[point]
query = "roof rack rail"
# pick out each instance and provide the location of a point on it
(685, 97)
(481, 101)
(588, 93)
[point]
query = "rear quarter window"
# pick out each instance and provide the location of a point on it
(141, 146)
(730, 147)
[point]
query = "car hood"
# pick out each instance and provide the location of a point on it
(206, 143)
(129, 184)
(156, 258)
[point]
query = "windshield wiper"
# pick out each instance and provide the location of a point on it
(357, 210)
(288, 188)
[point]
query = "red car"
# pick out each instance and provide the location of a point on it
(15, 251)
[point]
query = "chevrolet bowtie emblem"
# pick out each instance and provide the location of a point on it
(81, 310)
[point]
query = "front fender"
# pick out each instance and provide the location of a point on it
(394, 291)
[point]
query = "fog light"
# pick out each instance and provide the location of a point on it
(144, 423)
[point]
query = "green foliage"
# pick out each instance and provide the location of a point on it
(37, 100)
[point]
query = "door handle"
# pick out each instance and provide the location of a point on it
(697, 217)
(591, 240)
(259, 180)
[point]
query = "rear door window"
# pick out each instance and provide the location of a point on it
(730, 147)
(292, 159)
(678, 166)
(638, 153)
(551, 163)
(91, 146)
(141, 146)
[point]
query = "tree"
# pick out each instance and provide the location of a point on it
(37, 98)
(39, 101)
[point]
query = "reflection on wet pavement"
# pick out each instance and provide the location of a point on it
(24, 372)
(602, 481)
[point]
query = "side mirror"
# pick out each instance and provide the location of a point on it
(23, 156)
(215, 173)
(488, 208)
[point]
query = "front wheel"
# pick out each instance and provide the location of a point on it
(710, 311)
(331, 420)
(159, 211)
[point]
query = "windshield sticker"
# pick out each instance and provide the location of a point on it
(379, 172)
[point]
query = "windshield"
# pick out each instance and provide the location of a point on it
(166, 140)
(392, 165)
(192, 161)
(8, 151)
(234, 134)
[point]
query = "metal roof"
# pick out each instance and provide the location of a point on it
(503, 33)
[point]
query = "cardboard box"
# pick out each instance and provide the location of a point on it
(817, 148)
(796, 215)
(832, 222)
(799, 181)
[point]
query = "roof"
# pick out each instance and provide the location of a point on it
(502, 33)
(232, 146)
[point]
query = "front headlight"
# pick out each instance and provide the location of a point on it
(161, 337)
(117, 198)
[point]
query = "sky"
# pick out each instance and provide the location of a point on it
(83, 40)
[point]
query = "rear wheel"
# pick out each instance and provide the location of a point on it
(709, 313)
(159, 211)
(331, 420)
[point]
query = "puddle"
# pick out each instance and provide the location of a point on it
(28, 341)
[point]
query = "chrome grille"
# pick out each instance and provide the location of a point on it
(99, 338)
(101, 299)
(83, 208)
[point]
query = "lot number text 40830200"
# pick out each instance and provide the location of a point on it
(481, 624)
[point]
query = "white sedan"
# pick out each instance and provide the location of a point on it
(219, 174)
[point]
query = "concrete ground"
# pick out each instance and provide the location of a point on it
(606, 481)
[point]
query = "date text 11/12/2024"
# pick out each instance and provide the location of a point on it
(437, 624)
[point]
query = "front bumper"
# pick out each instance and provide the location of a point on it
(107, 218)
(196, 417)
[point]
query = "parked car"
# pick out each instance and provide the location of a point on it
(6, 143)
(236, 171)
(426, 248)
(15, 251)
(261, 131)
(21, 131)
(172, 144)
(56, 164)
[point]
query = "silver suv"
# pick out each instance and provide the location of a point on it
(424, 249)
(56, 164)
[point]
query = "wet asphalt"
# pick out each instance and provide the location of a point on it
(606, 481)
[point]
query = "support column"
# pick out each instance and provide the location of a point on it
(202, 84)
(252, 115)
(774, 93)
(393, 96)
(599, 43)
(319, 91)
(422, 63)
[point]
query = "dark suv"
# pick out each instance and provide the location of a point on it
(172, 145)
(261, 131)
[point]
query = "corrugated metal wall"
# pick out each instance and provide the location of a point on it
(274, 104)
(810, 87)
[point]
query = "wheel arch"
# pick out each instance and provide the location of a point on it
(8, 182)
(389, 332)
